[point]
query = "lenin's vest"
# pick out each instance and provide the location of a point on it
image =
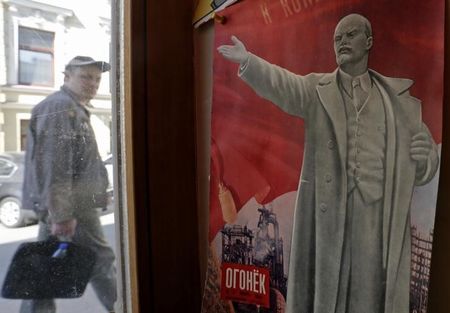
(366, 132)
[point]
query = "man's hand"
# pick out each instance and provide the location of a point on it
(64, 229)
(421, 146)
(235, 53)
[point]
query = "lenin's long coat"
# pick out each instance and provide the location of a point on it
(319, 220)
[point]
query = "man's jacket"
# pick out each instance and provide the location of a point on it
(64, 173)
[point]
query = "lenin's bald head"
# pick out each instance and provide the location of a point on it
(352, 42)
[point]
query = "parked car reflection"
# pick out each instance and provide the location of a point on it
(11, 178)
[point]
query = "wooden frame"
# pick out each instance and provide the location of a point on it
(160, 134)
(440, 262)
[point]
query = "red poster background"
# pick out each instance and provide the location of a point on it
(256, 148)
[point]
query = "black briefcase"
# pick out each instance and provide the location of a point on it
(44, 270)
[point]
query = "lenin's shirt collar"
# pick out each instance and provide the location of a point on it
(346, 81)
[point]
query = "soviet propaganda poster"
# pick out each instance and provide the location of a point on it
(326, 134)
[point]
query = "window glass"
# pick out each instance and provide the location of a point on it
(24, 124)
(35, 57)
(35, 39)
(35, 68)
(57, 157)
(6, 168)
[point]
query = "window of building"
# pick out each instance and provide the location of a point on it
(36, 53)
(24, 124)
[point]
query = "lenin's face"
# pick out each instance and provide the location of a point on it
(351, 43)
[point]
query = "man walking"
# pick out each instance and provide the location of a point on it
(65, 179)
(365, 149)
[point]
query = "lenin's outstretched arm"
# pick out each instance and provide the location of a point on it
(236, 53)
(291, 92)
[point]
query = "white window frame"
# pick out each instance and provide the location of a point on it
(15, 19)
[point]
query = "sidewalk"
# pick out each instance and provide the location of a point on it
(10, 239)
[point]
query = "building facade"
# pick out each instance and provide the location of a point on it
(37, 39)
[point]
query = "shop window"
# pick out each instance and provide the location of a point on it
(36, 56)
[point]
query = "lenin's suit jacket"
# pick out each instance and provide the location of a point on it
(319, 220)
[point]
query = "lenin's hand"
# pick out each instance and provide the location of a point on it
(236, 53)
(421, 146)
(64, 229)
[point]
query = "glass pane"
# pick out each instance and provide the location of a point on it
(57, 145)
(35, 39)
(35, 68)
(6, 167)
(24, 124)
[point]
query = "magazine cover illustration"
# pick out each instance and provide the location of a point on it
(326, 134)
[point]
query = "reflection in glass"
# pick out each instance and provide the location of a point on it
(38, 39)
(6, 168)
(35, 68)
(35, 56)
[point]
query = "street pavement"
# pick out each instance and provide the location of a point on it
(10, 239)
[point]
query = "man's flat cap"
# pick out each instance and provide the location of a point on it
(80, 61)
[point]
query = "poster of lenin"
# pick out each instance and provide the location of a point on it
(341, 102)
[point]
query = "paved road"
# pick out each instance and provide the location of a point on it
(10, 240)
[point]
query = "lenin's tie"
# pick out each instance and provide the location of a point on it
(359, 95)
